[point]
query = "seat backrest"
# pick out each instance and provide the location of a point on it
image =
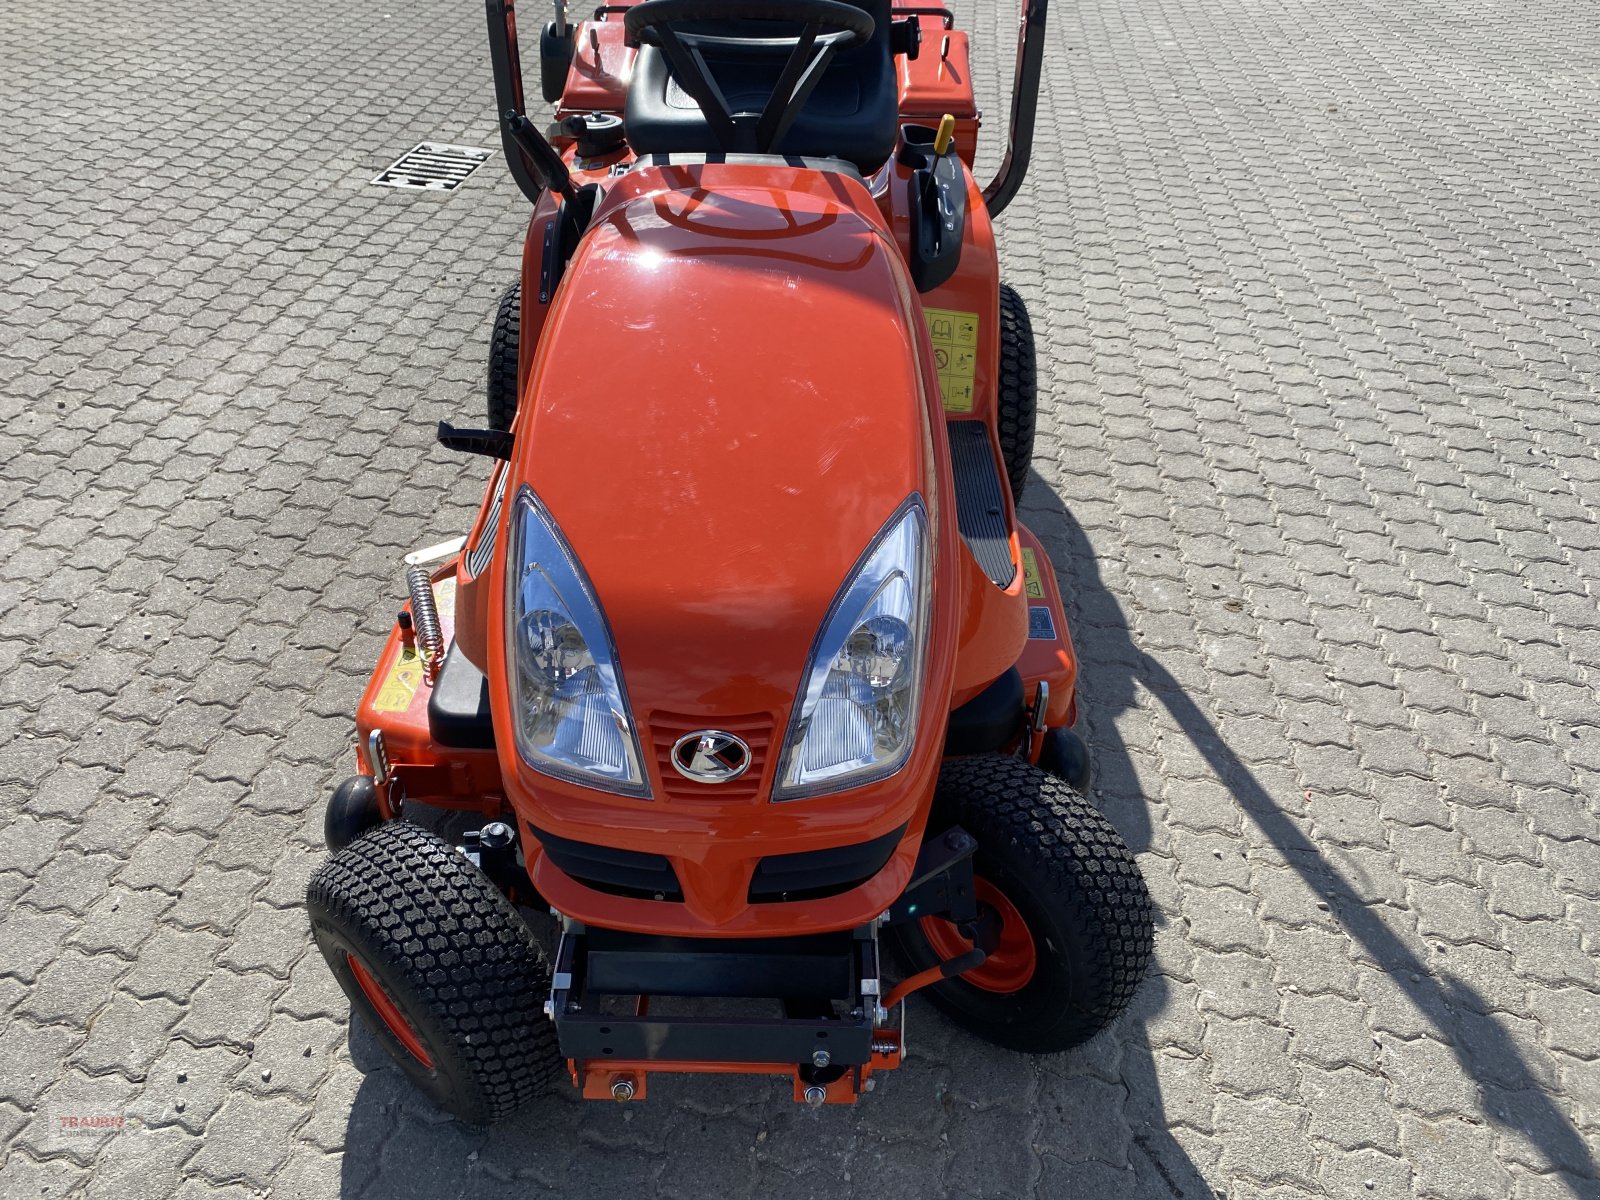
(853, 114)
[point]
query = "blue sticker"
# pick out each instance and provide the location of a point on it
(1041, 626)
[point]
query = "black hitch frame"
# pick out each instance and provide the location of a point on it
(829, 984)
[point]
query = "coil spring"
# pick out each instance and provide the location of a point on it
(885, 1047)
(425, 613)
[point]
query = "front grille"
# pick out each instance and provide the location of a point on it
(616, 872)
(754, 730)
(815, 874)
(483, 552)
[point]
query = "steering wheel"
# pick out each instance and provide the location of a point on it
(827, 27)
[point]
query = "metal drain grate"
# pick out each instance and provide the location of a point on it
(433, 167)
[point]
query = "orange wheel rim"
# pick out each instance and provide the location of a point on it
(388, 1011)
(1014, 960)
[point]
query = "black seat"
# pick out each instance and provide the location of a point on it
(854, 114)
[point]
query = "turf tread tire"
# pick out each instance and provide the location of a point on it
(453, 954)
(1032, 829)
(1017, 418)
(504, 346)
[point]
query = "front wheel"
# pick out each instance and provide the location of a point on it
(504, 346)
(1074, 917)
(441, 967)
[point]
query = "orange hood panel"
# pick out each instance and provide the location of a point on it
(728, 405)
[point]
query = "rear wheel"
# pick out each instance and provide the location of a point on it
(1073, 913)
(440, 966)
(1019, 389)
(503, 348)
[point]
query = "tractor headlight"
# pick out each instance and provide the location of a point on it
(569, 705)
(863, 686)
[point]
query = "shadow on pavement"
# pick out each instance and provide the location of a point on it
(1113, 670)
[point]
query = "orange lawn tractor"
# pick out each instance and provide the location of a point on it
(747, 671)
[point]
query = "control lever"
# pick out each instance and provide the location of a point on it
(938, 201)
(541, 155)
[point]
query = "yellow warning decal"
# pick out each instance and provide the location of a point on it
(444, 598)
(1030, 571)
(955, 350)
(400, 688)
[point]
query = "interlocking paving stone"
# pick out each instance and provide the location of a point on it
(1315, 289)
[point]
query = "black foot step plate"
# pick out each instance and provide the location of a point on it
(458, 710)
(980, 502)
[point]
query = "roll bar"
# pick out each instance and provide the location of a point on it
(1001, 191)
(1024, 107)
(508, 97)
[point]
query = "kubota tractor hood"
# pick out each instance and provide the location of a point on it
(726, 410)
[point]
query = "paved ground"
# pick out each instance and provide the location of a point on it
(1317, 286)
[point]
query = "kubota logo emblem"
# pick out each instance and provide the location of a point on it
(710, 756)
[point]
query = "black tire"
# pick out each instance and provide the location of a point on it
(1019, 389)
(1075, 884)
(452, 956)
(503, 349)
(1066, 756)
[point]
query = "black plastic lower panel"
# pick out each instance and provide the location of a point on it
(991, 720)
(980, 500)
(814, 874)
(458, 709)
(608, 869)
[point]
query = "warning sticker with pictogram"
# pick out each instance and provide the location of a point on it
(955, 350)
(398, 690)
(1030, 571)
(407, 671)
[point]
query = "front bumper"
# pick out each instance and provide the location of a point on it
(735, 891)
(714, 863)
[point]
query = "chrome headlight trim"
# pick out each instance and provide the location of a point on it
(898, 559)
(541, 567)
